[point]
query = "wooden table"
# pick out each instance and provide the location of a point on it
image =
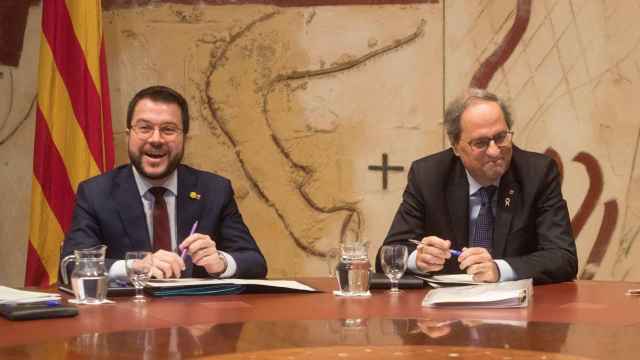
(582, 319)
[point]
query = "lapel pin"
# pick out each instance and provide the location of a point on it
(507, 200)
(194, 195)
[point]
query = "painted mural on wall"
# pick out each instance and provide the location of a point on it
(569, 71)
(299, 105)
(481, 79)
(286, 115)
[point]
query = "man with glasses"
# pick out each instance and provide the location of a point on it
(485, 206)
(187, 218)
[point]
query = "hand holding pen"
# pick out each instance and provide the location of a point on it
(203, 251)
(432, 253)
(452, 251)
(184, 254)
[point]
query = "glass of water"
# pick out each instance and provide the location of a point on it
(89, 277)
(352, 270)
(139, 265)
(394, 264)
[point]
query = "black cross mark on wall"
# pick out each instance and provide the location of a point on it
(385, 168)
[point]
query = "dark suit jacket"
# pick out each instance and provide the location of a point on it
(532, 231)
(109, 211)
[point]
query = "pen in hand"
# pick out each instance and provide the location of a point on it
(183, 255)
(452, 251)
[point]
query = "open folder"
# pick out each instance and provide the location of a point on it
(507, 294)
(190, 286)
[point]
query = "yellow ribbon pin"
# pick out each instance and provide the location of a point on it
(194, 195)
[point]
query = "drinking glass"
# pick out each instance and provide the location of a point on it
(352, 270)
(394, 264)
(333, 256)
(139, 265)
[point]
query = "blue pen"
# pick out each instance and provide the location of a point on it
(52, 303)
(183, 255)
(453, 252)
(47, 303)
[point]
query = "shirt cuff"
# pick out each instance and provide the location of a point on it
(506, 271)
(118, 272)
(230, 271)
(412, 263)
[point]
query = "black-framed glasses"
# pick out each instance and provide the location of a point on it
(501, 139)
(145, 130)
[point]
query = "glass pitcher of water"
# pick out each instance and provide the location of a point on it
(352, 270)
(89, 277)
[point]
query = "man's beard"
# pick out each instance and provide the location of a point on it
(171, 166)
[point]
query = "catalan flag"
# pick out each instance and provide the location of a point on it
(73, 137)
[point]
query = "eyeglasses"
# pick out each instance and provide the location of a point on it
(146, 130)
(501, 139)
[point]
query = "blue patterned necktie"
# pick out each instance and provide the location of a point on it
(483, 233)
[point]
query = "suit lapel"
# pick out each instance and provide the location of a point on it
(509, 197)
(188, 202)
(458, 204)
(188, 208)
(129, 205)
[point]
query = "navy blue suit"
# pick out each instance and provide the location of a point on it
(109, 211)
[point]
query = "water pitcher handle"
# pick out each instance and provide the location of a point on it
(63, 268)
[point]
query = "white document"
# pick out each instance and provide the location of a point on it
(14, 296)
(505, 294)
(287, 284)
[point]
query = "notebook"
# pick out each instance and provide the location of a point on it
(16, 304)
(33, 311)
(381, 281)
(191, 286)
(507, 294)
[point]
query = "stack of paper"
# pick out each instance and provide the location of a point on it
(496, 295)
(14, 296)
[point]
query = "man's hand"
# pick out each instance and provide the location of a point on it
(204, 253)
(166, 264)
(432, 253)
(478, 262)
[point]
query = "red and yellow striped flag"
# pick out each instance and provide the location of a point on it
(73, 139)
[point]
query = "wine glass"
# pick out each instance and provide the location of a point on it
(139, 265)
(333, 256)
(394, 264)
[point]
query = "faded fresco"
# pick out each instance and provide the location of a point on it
(304, 107)
(570, 69)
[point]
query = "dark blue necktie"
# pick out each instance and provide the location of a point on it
(483, 233)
